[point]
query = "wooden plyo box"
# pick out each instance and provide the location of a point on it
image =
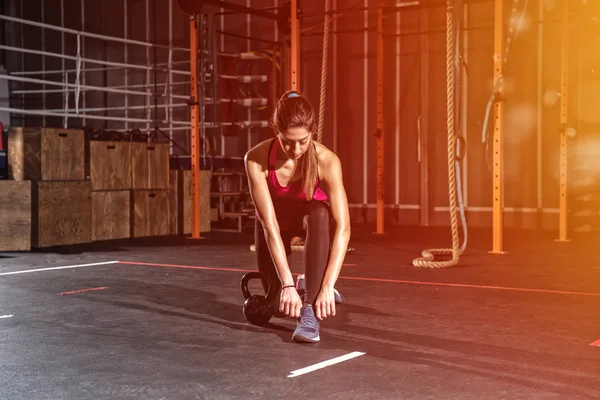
(46, 154)
(151, 213)
(15, 215)
(150, 165)
(61, 213)
(110, 165)
(181, 201)
(111, 211)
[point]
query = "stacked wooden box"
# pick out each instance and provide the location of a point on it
(135, 195)
(15, 215)
(150, 184)
(110, 176)
(48, 199)
(130, 184)
(51, 199)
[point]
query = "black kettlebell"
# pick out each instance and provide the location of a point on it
(257, 308)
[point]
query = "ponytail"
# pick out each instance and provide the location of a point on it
(310, 170)
(294, 111)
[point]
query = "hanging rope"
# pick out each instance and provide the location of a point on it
(428, 256)
(324, 70)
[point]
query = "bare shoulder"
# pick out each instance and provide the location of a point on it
(257, 158)
(328, 160)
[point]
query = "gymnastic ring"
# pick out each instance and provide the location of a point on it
(460, 139)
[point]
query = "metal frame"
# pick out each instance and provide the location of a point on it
(79, 86)
(194, 133)
(497, 164)
(147, 74)
(295, 67)
(225, 5)
(423, 121)
(248, 49)
(540, 110)
(564, 120)
(294, 47)
(497, 208)
(397, 118)
(84, 113)
(202, 33)
(365, 101)
(334, 83)
(380, 135)
(464, 100)
(366, 8)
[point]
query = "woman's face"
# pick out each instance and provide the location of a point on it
(295, 142)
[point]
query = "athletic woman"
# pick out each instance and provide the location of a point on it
(297, 189)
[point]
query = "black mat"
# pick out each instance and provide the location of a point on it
(166, 323)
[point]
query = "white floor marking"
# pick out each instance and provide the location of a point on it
(6, 316)
(324, 364)
(55, 268)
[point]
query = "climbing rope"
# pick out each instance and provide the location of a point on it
(324, 71)
(428, 256)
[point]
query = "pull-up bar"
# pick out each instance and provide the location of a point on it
(196, 7)
(398, 6)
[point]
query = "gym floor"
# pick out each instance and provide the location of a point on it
(162, 319)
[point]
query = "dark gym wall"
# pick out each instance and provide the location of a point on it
(414, 93)
(421, 88)
(104, 17)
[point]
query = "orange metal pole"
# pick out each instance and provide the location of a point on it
(564, 108)
(380, 133)
(295, 48)
(195, 134)
(497, 170)
(423, 118)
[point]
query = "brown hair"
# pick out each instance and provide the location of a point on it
(295, 111)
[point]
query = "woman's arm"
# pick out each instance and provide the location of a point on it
(259, 191)
(332, 178)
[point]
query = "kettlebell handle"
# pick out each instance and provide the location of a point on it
(257, 275)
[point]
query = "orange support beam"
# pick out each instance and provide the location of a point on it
(195, 132)
(497, 170)
(423, 118)
(564, 109)
(295, 48)
(380, 133)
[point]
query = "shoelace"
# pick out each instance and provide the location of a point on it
(308, 318)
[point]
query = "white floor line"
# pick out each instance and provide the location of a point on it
(324, 364)
(6, 316)
(55, 268)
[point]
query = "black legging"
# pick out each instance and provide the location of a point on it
(312, 220)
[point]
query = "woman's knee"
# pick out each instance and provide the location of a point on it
(317, 215)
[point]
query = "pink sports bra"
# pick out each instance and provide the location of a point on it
(287, 199)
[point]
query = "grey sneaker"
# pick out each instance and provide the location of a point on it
(301, 287)
(307, 329)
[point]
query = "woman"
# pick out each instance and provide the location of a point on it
(297, 189)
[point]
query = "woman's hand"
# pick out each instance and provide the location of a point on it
(290, 302)
(325, 303)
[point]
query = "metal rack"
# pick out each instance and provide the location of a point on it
(220, 77)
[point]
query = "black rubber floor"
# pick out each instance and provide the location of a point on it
(162, 319)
